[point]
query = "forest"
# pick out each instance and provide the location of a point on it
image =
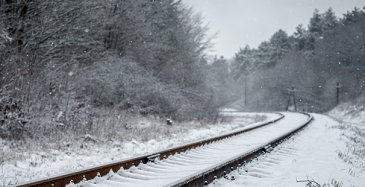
(315, 60)
(73, 66)
(65, 64)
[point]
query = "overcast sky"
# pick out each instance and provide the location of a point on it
(241, 22)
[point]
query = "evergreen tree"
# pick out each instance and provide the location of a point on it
(315, 24)
(353, 16)
(244, 62)
(300, 36)
(280, 45)
(329, 20)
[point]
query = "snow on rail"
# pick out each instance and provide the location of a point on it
(325, 153)
(183, 165)
(92, 172)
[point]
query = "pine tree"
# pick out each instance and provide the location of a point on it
(244, 62)
(315, 22)
(329, 20)
(300, 36)
(353, 16)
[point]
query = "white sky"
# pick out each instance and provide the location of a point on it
(241, 22)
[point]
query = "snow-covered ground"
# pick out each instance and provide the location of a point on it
(327, 152)
(39, 164)
(178, 167)
(350, 112)
(330, 151)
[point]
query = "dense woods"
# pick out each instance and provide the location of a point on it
(65, 63)
(312, 60)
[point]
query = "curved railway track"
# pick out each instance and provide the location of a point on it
(193, 164)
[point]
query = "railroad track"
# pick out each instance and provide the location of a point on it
(194, 164)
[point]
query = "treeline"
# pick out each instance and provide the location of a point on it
(62, 61)
(312, 60)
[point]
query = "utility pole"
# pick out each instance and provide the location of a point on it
(245, 101)
(338, 86)
(295, 102)
(292, 94)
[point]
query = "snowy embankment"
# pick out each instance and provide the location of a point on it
(350, 112)
(328, 153)
(180, 167)
(88, 152)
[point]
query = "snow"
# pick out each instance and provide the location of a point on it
(45, 163)
(349, 113)
(322, 152)
(181, 166)
(228, 110)
(328, 151)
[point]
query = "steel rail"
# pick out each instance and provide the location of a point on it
(90, 173)
(221, 169)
